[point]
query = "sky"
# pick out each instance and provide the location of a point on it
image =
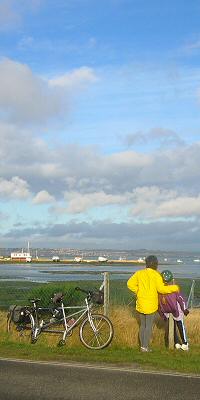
(100, 124)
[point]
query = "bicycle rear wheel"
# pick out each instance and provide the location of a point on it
(97, 333)
(20, 329)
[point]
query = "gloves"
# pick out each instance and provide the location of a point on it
(186, 312)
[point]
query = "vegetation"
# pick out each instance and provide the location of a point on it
(19, 292)
(124, 348)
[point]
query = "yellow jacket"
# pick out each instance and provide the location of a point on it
(146, 284)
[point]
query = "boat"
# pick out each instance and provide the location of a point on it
(179, 261)
(56, 259)
(196, 260)
(141, 260)
(78, 259)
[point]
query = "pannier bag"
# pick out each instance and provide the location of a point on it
(57, 298)
(98, 297)
(18, 314)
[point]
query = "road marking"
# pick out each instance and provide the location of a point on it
(103, 367)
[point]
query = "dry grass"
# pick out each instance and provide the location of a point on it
(125, 327)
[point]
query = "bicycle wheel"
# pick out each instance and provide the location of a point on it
(97, 333)
(20, 329)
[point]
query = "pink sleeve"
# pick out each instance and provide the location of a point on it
(181, 300)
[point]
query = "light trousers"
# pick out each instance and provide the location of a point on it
(146, 324)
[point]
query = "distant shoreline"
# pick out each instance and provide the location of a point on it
(71, 261)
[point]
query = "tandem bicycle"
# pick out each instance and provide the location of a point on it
(95, 330)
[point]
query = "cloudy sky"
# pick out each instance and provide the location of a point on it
(100, 124)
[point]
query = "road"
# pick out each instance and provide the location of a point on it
(22, 380)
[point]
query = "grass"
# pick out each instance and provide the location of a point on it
(19, 292)
(123, 350)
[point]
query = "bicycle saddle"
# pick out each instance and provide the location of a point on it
(34, 300)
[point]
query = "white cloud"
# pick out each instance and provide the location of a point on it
(28, 98)
(78, 203)
(43, 197)
(184, 206)
(158, 185)
(128, 159)
(147, 199)
(25, 97)
(15, 188)
(77, 78)
(155, 203)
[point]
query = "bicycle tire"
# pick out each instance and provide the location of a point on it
(19, 330)
(103, 335)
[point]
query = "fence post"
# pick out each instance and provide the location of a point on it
(171, 332)
(191, 296)
(106, 293)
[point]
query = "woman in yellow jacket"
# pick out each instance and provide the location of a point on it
(146, 284)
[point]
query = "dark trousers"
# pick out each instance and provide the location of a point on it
(179, 332)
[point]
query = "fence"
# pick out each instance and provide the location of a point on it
(115, 291)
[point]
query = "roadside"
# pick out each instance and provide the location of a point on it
(159, 359)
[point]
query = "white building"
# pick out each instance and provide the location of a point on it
(21, 256)
(102, 259)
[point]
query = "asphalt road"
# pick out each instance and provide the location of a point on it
(22, 380)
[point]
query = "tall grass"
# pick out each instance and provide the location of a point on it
(126, 327)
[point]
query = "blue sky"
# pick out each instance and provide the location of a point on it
(99, 124)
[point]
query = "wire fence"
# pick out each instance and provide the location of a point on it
(115, 291)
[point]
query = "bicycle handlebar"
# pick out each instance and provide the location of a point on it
(88, 292)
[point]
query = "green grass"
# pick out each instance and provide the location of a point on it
(169, 360)
(20, 292)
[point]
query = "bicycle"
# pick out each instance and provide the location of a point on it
(95, 330)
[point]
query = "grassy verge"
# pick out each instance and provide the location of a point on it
(176, 361)
(123, 350)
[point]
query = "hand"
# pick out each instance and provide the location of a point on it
(186, 312)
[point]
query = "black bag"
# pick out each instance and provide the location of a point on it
(98, 297)
(57, 298)
(18, 314)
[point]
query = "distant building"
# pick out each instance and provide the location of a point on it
(102, 259)
(21, 256)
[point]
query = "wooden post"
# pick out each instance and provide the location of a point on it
(191, 296)
(171, 332)
(106, 293)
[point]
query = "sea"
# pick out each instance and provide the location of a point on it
(182, 265)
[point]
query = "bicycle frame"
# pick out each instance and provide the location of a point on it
(40, 326)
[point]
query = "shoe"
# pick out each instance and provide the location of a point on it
(178, 346)
(144, 349)
(185, 347)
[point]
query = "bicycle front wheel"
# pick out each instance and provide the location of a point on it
(97, 332)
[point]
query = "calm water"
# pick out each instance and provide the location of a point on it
(62, 272)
